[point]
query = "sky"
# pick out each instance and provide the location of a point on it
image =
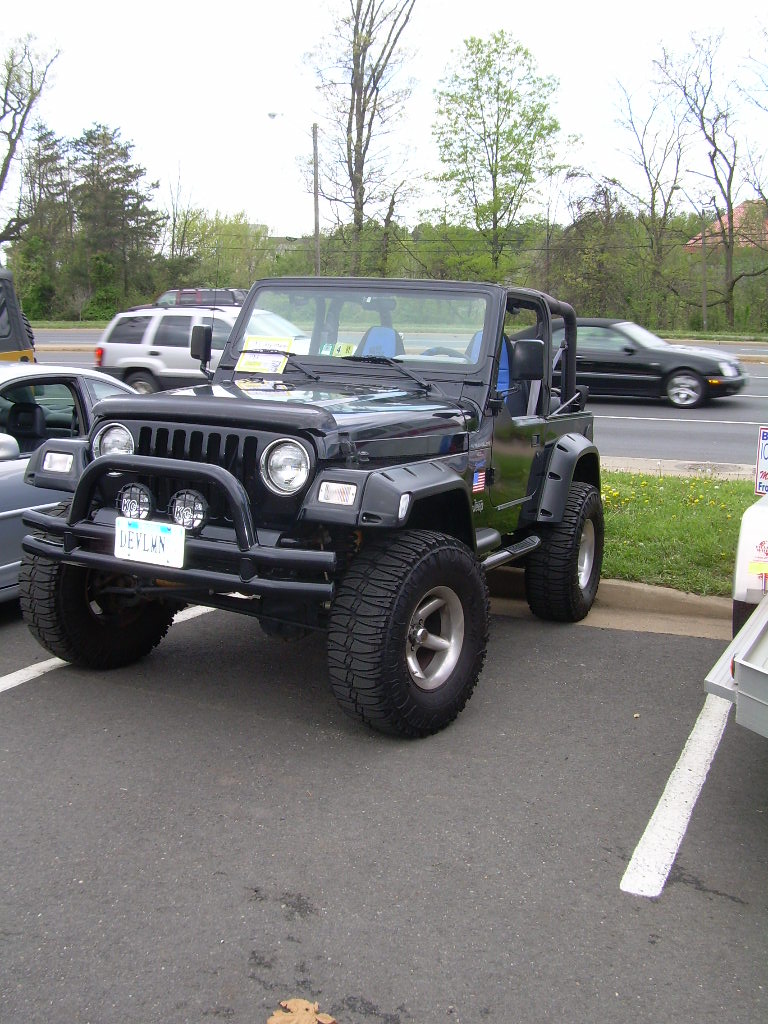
(193, 85)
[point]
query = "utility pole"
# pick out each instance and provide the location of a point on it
(316, 182)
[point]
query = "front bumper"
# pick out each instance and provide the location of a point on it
(236, 560)
(720, 386)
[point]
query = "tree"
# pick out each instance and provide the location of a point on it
(659, 145)
(45, 203)
(116, 225)
(495, 134)
(694, 78)
(364, 102)
(22, 80)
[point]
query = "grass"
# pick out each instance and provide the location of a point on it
(672, 531)
(68, 325)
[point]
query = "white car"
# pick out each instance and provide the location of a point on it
(37, 402)
(149, 348)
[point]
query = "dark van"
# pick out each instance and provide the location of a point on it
(17, 343)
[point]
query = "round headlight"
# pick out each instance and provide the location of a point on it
(114, 439)
(285, 466)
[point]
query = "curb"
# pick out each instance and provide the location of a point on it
(672, 467)
(625, 596)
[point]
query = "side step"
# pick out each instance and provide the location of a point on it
(512, 553)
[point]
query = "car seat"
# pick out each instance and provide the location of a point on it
(472, 350)
(26, 422)
(381, 341)
(514, 393)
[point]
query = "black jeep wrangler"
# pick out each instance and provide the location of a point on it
(364, 453)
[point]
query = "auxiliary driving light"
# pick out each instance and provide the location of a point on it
(135, 501)
(189, 509)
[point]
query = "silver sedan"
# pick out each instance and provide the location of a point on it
(38, 402)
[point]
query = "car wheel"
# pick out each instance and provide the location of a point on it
(408, 633)
(78, 615)
(685, 389)
(563, 574)
(143, 382)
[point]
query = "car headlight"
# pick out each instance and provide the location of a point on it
(285, 466)
(728, 369)
(114, 439)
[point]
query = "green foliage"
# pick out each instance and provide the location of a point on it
(673, 532)
(495, 134)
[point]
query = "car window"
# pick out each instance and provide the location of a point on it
(221, 331)
(173, 332)
(129, 331)
(34, 412)
(600, 338)
(102, 388)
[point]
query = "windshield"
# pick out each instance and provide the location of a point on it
(336, 327)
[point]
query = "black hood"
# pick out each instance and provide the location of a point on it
(361, 414)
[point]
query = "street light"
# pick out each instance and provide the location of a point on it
(315, 189)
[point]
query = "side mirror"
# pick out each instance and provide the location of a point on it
(527, 359)
(9, 448)
(200, 344)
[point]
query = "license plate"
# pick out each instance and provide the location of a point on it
(142, 540)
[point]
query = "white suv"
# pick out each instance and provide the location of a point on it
(149, 348)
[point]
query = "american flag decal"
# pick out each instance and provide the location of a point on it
(478, 481)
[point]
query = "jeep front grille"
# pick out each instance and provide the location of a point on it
(235, 451)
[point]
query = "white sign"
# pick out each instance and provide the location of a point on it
(761, 466)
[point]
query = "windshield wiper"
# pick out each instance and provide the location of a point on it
(290, 357)
(388, 361)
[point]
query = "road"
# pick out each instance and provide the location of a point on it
(723, 431)
(205, 834)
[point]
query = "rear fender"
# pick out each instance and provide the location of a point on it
(573, 457)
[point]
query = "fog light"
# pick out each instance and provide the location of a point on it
(337, 494)
(135, 501)
(189, 509)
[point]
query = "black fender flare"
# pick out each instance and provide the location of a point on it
(573, 457)
(427, 483)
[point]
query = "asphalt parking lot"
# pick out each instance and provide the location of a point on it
(205, 834)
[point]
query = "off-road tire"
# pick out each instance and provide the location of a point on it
(28, 329)
(65, 613)
(562, 575)
(378, 640)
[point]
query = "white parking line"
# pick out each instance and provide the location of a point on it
(23, 675)
(655, 854)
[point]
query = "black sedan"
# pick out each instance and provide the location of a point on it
(620, 359)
